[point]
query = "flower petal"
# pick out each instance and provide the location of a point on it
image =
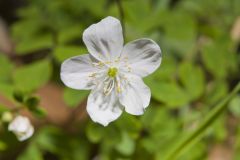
(104, 39)
(135, 95)
(80, 72)
(21, 127)
(103, 108)
(141, 57)
(26, 135)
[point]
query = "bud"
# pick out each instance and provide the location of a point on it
(21, 127)
(7, 117)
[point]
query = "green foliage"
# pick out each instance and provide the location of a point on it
(218, 58)
(127, 145)
(62, 53)
(3, 146)
(180, 38)
(30, 77)
(6, 69)
(7, 90)
(74, 97)
(18, 96)
(234, 105)
(32, 102)
(192, 78)
(184, 144)
(32, 152)
(95, 132)
(52, 140)
(170, 93)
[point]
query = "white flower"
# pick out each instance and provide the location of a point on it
(112, 71)
(21, 127)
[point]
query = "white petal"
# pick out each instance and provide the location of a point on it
(25, 135)
(19, 124)
(104, 39)
(103, 108)
(80, 72)
(135, 95)
(21, 127)
(141, 57)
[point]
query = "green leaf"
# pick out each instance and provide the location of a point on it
(18, 29)
(97, 10)
(166, 72)
(30, 77)
(159, 134)
(5, 69)
(126, 146)
(69, 34)
(32, 44)
(74, 97)
(32, 152)
(169, 93)
(32, 102)
(3, 109)
(7, 90)
(62, 144)
(218, 58)
(144, 11)
(3, 146)
(192, 77)
(94, 132)
(234, 105)
(178, 36)
(39, 112)
(129, 124)
(62, 53)
(18, 96)
(154, 120)
(47, 138)
(108, 144)
(216, 91)
(187, 142)
(197, 152)
(218, 129)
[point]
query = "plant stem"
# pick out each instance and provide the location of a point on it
(122, 16)
(210, 118)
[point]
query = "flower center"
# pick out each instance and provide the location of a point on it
(112, 72)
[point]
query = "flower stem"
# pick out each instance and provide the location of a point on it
(122, 16)
(210, 118)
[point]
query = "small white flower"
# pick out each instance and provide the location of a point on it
(21, 127)
(112, 71)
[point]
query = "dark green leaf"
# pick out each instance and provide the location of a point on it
(39, 112)
(30, 77)
(32, 103)
(127, 145)
(18, 96)
(169, 93)
(74, 97)
(95, 132)
(62, 53)
(192, 78)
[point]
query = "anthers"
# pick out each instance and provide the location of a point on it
(108, 86)
(112, 72)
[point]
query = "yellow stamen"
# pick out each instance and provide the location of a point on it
(112, 72)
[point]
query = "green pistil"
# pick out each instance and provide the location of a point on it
(112, 72)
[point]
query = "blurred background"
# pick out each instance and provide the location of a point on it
(200, 66)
